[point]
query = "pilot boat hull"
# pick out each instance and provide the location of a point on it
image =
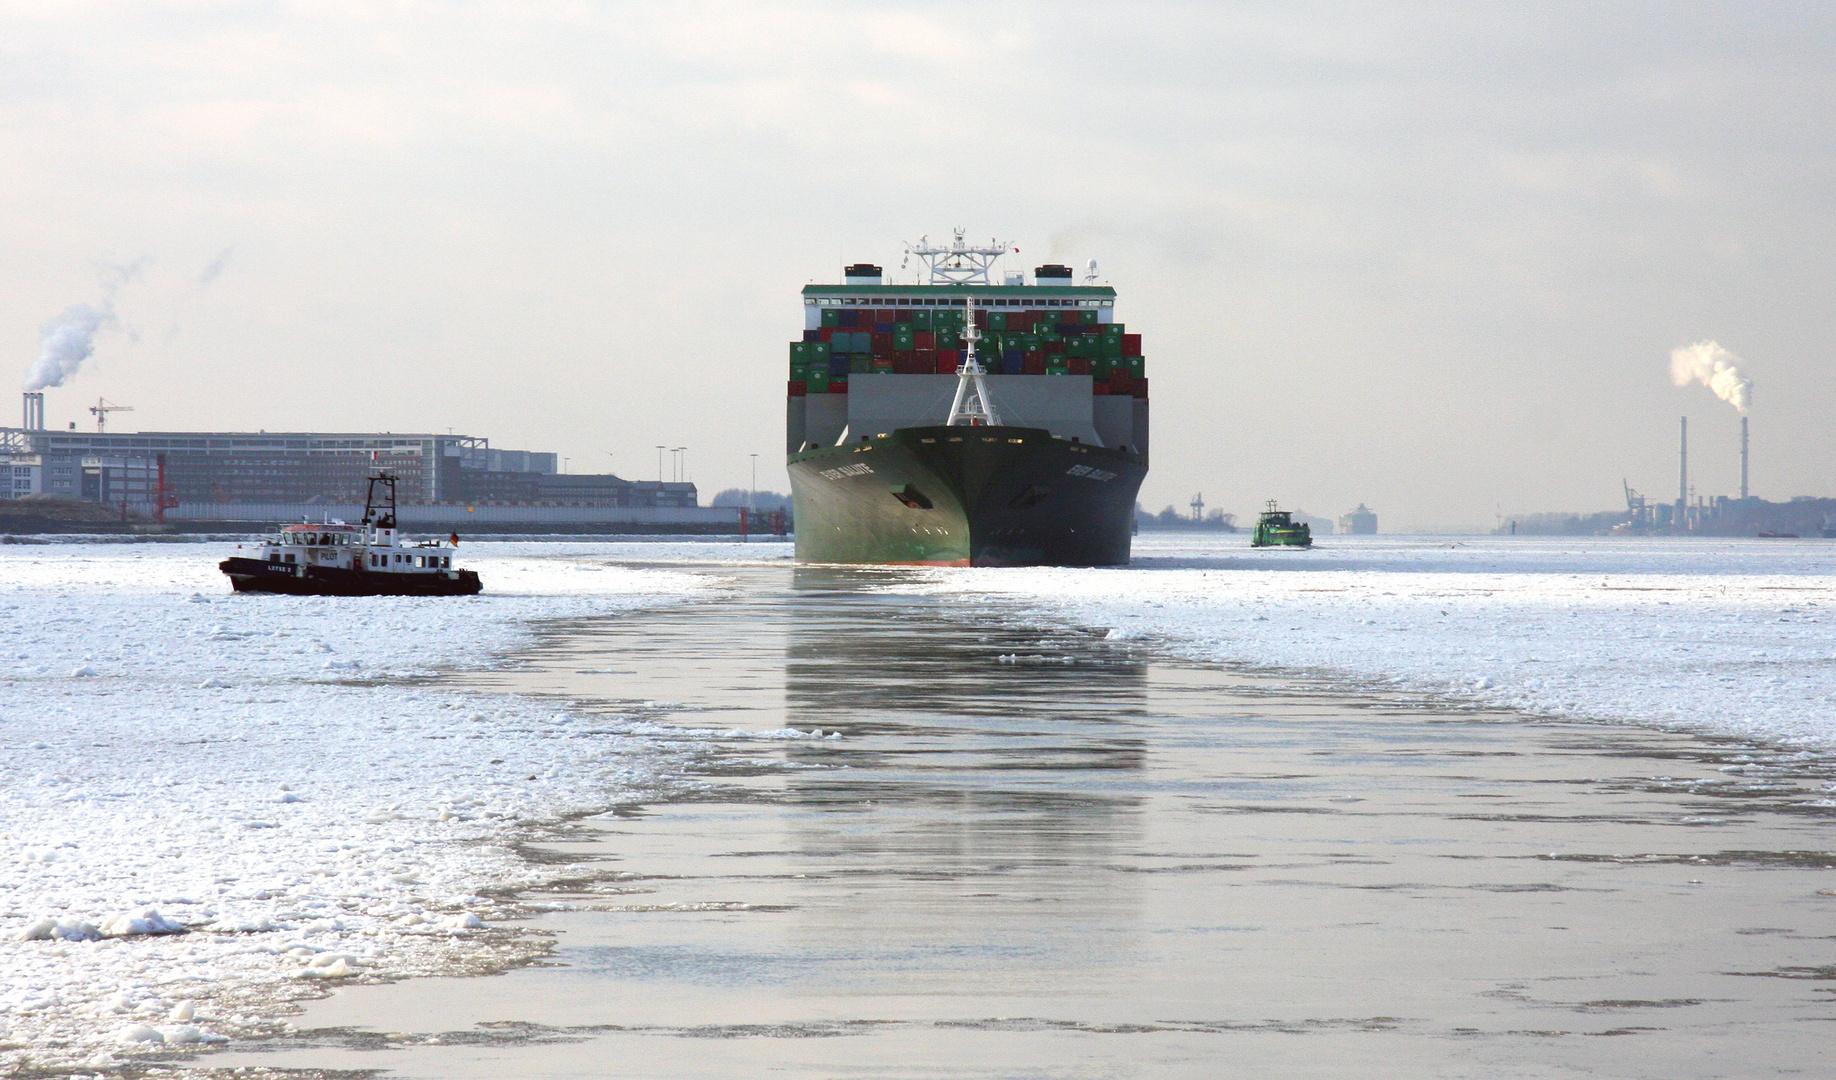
(256, 575)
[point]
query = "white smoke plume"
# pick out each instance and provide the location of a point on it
(65, 342)
(68, 340)
(1711, 365)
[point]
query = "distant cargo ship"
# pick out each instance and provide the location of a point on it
(963, 422)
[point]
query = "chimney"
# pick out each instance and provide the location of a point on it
(1683, 472)
(34, 419)
(861, 274)
(1743, 457)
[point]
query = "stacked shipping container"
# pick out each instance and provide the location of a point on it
(920, 341)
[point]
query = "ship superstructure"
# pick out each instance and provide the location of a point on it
(1034, 387)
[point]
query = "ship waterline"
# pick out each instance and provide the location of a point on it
(966, 496)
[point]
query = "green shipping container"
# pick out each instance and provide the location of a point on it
(1030, 342)
(799, 351)
(997, 320)
(831, 317)
(1137, 366)
(921, 320)
(1112, 347)
(1113, 330)
(859, 365)
(819, 351)
(800, 372)
(819, 382)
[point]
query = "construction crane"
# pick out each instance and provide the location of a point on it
(102, 408)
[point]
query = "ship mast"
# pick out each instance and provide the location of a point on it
(963, 263)
(971, 405)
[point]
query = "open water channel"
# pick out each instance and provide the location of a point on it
(1041, 854)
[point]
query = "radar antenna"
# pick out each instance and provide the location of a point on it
(971, 405)
(1090, 277)
(959, 263)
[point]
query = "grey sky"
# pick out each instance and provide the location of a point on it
(1428, 256)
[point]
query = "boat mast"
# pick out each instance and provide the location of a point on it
(971, 405)
(963, 263)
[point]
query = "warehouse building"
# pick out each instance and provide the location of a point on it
(195, 471)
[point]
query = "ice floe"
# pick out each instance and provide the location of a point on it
(204, 815)
(1734, 637)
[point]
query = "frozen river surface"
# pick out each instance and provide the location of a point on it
(1040, 851)
(1345, 812)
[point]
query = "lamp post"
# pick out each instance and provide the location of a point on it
(752, 493)
(659, 463)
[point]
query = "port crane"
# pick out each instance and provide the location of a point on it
(102, 408)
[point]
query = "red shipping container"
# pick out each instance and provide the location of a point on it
(1079, 365)
(1034, 364)
(903, 315)
(1141, 388)
(1021, 321)
(828, 334)
(798, 388)
(924, 339)
(1131, 344)
(1099, 387)
(981, 318)
(883, 343)
(838, 386)
(1056, 348)
(886, 315)
(1121, 382)
(947, 363)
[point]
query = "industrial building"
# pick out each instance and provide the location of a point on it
(235, 476)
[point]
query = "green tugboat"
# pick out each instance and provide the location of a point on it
(1277, 528)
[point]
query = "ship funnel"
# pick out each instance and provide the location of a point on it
(861, 274)
(1052, 274)
(34, 419)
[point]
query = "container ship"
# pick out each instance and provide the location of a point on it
(965, 421)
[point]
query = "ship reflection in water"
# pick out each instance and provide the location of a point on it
(988, 768)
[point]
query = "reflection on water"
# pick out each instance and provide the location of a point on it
(1033, 852)
(978, 773)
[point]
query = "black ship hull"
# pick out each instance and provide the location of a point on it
(966, 496)
(255, 575)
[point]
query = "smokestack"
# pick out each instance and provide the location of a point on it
(1743, 457)
(1683, 471)
(34, 419)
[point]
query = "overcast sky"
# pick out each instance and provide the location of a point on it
(1428, 256)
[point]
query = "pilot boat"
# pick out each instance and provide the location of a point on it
(370, 558)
